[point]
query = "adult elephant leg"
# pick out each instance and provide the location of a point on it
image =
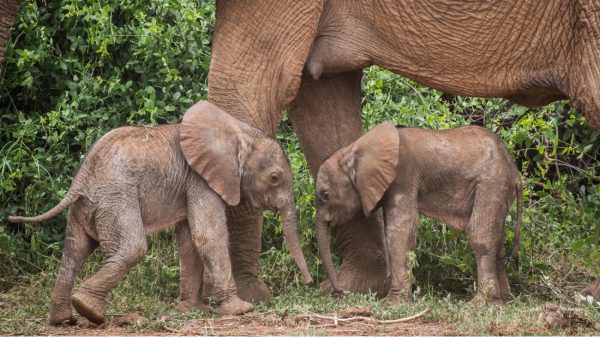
(327, 116)
(258, 52)
(584, 80)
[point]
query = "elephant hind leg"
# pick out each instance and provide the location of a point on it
(504, 287)
(123, 243)
(485, 231)
(78, 246)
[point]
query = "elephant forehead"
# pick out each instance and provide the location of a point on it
(330, 169)
(272, 156)
(269, 149)
(325, 177)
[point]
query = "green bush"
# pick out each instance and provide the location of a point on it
(76, 69)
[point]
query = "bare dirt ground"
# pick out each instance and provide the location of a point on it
(260, 324)
(265, 324)
(269, 324)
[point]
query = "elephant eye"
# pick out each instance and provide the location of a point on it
(274, 178)
(325, 195)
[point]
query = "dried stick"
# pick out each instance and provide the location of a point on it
(369, 319)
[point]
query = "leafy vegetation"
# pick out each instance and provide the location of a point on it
(75, 70)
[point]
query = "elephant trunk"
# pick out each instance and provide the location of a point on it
(323, 243)
(290, 232)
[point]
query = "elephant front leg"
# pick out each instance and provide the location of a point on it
(208, 228)
(327, 116)
(190, 270)
(401, 220)
(245, 235)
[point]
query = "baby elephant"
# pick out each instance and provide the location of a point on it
(464, 177)
(137, 180)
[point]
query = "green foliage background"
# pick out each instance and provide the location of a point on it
(76, 69)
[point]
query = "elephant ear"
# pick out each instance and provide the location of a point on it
(371, 163)
(211, 141)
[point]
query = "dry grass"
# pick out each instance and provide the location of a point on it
(133, 311)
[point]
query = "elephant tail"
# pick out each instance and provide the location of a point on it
(514, 250)
(70, 198)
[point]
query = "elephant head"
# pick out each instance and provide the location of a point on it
(354, 178)
(240, 162)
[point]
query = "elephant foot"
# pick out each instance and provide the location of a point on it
(398, 296)
(234, 306)
(593, 290)
(89, 307)
(252, 289)
(61, 317)
(366, 280)
(481, 298)
(189, 305)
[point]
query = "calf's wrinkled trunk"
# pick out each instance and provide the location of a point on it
(323, 243)
(289, 223)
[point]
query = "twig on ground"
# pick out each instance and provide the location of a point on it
(368, 319)
(171, 330)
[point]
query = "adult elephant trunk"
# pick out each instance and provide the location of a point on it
(289, 223)
(323, 243)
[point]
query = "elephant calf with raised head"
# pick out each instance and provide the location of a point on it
(137, 180)
(464, 177)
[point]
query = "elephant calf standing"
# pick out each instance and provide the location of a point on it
(136, 180)
(464, 177)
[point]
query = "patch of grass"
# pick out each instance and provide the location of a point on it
(518, 317)
(25, 309)
(303, 300)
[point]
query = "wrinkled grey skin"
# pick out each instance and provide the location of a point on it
(135, 181)
(464, 177)
(531, 52)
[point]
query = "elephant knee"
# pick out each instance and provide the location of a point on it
(134, 254)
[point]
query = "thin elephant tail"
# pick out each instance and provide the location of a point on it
(514, 250)
(70, 198)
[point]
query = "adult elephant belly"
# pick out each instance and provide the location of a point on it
(466, 48)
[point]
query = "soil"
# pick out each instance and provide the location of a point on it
(353, 321)
(263, 324)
